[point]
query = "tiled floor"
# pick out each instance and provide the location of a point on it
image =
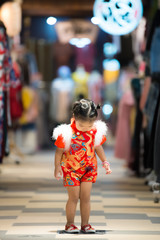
(32, 203)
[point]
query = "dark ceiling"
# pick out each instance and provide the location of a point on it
(68, 8)
(65, 8)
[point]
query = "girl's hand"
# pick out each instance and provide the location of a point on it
(58, 172)
(107, 167)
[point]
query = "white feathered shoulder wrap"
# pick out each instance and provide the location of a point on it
(65, 131)
(101, 131)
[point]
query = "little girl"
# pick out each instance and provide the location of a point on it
(75, 157)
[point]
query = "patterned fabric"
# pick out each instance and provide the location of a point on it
(79, 163)
(7, 79)
(7, 73)
(1, 121)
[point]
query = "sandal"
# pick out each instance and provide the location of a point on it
(88, 229)
(71, 229)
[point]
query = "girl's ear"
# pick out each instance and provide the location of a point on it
(72, 119)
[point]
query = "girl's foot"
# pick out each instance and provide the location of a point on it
(87, 229)
(71, 229)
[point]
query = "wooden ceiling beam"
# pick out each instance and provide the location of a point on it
(67, 8)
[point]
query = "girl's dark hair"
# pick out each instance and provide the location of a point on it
(85, 109)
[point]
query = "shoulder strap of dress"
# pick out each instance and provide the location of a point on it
(65, 131)
(101, 128)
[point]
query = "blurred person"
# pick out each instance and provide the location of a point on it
(30, 78)
(75, 157)
(27, 135)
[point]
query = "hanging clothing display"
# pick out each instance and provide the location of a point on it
(86, 56)
(16, 107)
(143, 99)
(136, 139)
(154, 25)
(150, 106)
(152, 114)
(123, 131)
(155, 52)
(150, 100)
(4, 80)
(156, 146)
(145, 91)
(7, 79)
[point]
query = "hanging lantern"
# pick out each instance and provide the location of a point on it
(118, 17)
(10, 15)
(111, 70)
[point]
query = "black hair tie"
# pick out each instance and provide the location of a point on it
(98, 106)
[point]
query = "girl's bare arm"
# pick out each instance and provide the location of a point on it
(101, 154)
(57, 162)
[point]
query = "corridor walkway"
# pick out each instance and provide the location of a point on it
(32, 203)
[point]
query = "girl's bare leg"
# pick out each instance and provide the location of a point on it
(73, 196)
(85, 192)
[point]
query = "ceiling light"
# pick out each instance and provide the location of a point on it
(51, 20)
(80, 42)
(95, 20)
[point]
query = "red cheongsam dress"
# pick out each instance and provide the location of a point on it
(79, 162)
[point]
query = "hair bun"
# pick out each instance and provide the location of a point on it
(84, 104)
(85, 109)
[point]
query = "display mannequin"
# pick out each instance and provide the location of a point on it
(80, 72)
(61, 95)
(80, 77)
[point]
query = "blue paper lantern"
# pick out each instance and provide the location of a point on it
(107, 109)
(111, 65)
(109, 49)
(118, 17)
